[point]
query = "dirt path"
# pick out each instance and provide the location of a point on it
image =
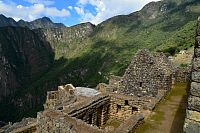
(168, 117)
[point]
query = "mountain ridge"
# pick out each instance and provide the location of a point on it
(43, 22)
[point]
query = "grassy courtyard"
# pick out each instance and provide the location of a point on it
(168, 116)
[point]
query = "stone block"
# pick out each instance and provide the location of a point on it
(191, 126)
(198, 27)
(197, 42)
(193, 115)
(197, 52)
(195, 89)
(196, 76)
(194, 103)
(196, 64)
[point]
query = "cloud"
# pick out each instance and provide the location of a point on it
(108, 8)
(31, 12)
(45, 2)
(70, 7)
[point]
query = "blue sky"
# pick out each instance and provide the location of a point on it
(69, 12)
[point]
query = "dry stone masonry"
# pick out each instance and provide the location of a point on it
(146, 74)
(192, 120)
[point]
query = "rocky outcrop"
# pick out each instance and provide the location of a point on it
(192, 120)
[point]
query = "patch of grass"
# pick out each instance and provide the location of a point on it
(158, 116)
(114, 122)
(179, 89)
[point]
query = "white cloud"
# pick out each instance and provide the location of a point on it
(32, 12)
(108, 8)
(45, 2)
(79, 10)
(70, 7)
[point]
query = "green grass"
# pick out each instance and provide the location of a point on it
(151, 123)
(114, 122)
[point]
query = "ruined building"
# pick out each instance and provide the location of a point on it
(192, 120)
(146, 74)
(110, 108)
(122, 101)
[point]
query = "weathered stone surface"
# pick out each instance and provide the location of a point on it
(196, 76)
(194, 103)
(182, 74)
(191, 126)
(198, 27)
(193, 115)
(197, 52)
(196, 64)
(126, 127)
(197, 42)
(192, 120)
(195, 89)
(27, 124)
(146, 74)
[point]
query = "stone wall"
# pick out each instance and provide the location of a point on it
(56, 99)
(27, 125)
(182, 74)
(146, 74)
(95, 112)
(192, 120)
(131, 124)
(57, 122)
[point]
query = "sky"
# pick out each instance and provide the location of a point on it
(69, 12)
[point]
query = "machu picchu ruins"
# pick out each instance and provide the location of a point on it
(144, 84)
(110, 70)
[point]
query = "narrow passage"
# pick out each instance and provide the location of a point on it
(168, 117)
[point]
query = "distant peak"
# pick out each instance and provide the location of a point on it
(1, 15)
(46, 19)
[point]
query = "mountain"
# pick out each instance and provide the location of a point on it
(4, 21)
(64, 41)
(24, 57)
(86, 55)
(44, 22)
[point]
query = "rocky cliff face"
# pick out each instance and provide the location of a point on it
(65, 40)
(23, 57)
(44, 22)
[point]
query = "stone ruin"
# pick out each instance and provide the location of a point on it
(110, 108)
(192, 119)
(62, 97)
(124, 100)
(27, 125)
(146, 74)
